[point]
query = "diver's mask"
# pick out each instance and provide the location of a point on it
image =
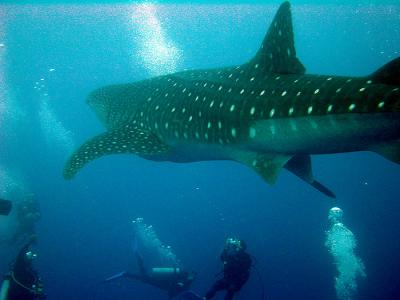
(335, 215)
(233, 245)
(30, 255)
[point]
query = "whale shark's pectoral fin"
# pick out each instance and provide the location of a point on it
(300, 165)
(123, 140)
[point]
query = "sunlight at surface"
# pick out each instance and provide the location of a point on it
(158, 53)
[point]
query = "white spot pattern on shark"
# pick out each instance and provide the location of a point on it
(267, 113)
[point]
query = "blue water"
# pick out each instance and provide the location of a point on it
(85, 232)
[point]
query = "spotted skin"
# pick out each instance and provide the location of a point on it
(267, 113)
(129, 140)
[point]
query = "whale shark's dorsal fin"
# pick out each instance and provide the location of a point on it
(277, 53)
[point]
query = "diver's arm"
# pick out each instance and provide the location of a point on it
(143, 278)
(140, 263)
(224, 257)
(248, 261)
(133, 276)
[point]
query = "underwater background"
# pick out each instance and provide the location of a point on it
(52, 56)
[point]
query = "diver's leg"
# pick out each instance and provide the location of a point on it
(232, 289)
(211, 293)
(133, 276)
(139, 260)
(229, 294)
(218, 285)
(139, 257)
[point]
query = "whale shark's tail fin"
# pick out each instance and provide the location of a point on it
(389, 74)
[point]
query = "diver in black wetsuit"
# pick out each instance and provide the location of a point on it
(237, 264)
(172, 280)
(22, 282)
(5, 207)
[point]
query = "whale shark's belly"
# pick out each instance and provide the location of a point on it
(325, 134)
(192, 151)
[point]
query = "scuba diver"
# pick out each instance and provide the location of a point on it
(22, 282)
(237, 264)
(5, 207)
(173, 280)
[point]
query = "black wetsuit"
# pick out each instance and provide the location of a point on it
(22, 278)
(236, 273)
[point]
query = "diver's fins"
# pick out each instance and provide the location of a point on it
(116, 276)
(189, 295)
(5, 207)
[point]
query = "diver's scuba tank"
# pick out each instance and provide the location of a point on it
(4, 289)
(164, 272)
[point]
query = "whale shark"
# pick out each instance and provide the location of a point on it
(267, 113)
